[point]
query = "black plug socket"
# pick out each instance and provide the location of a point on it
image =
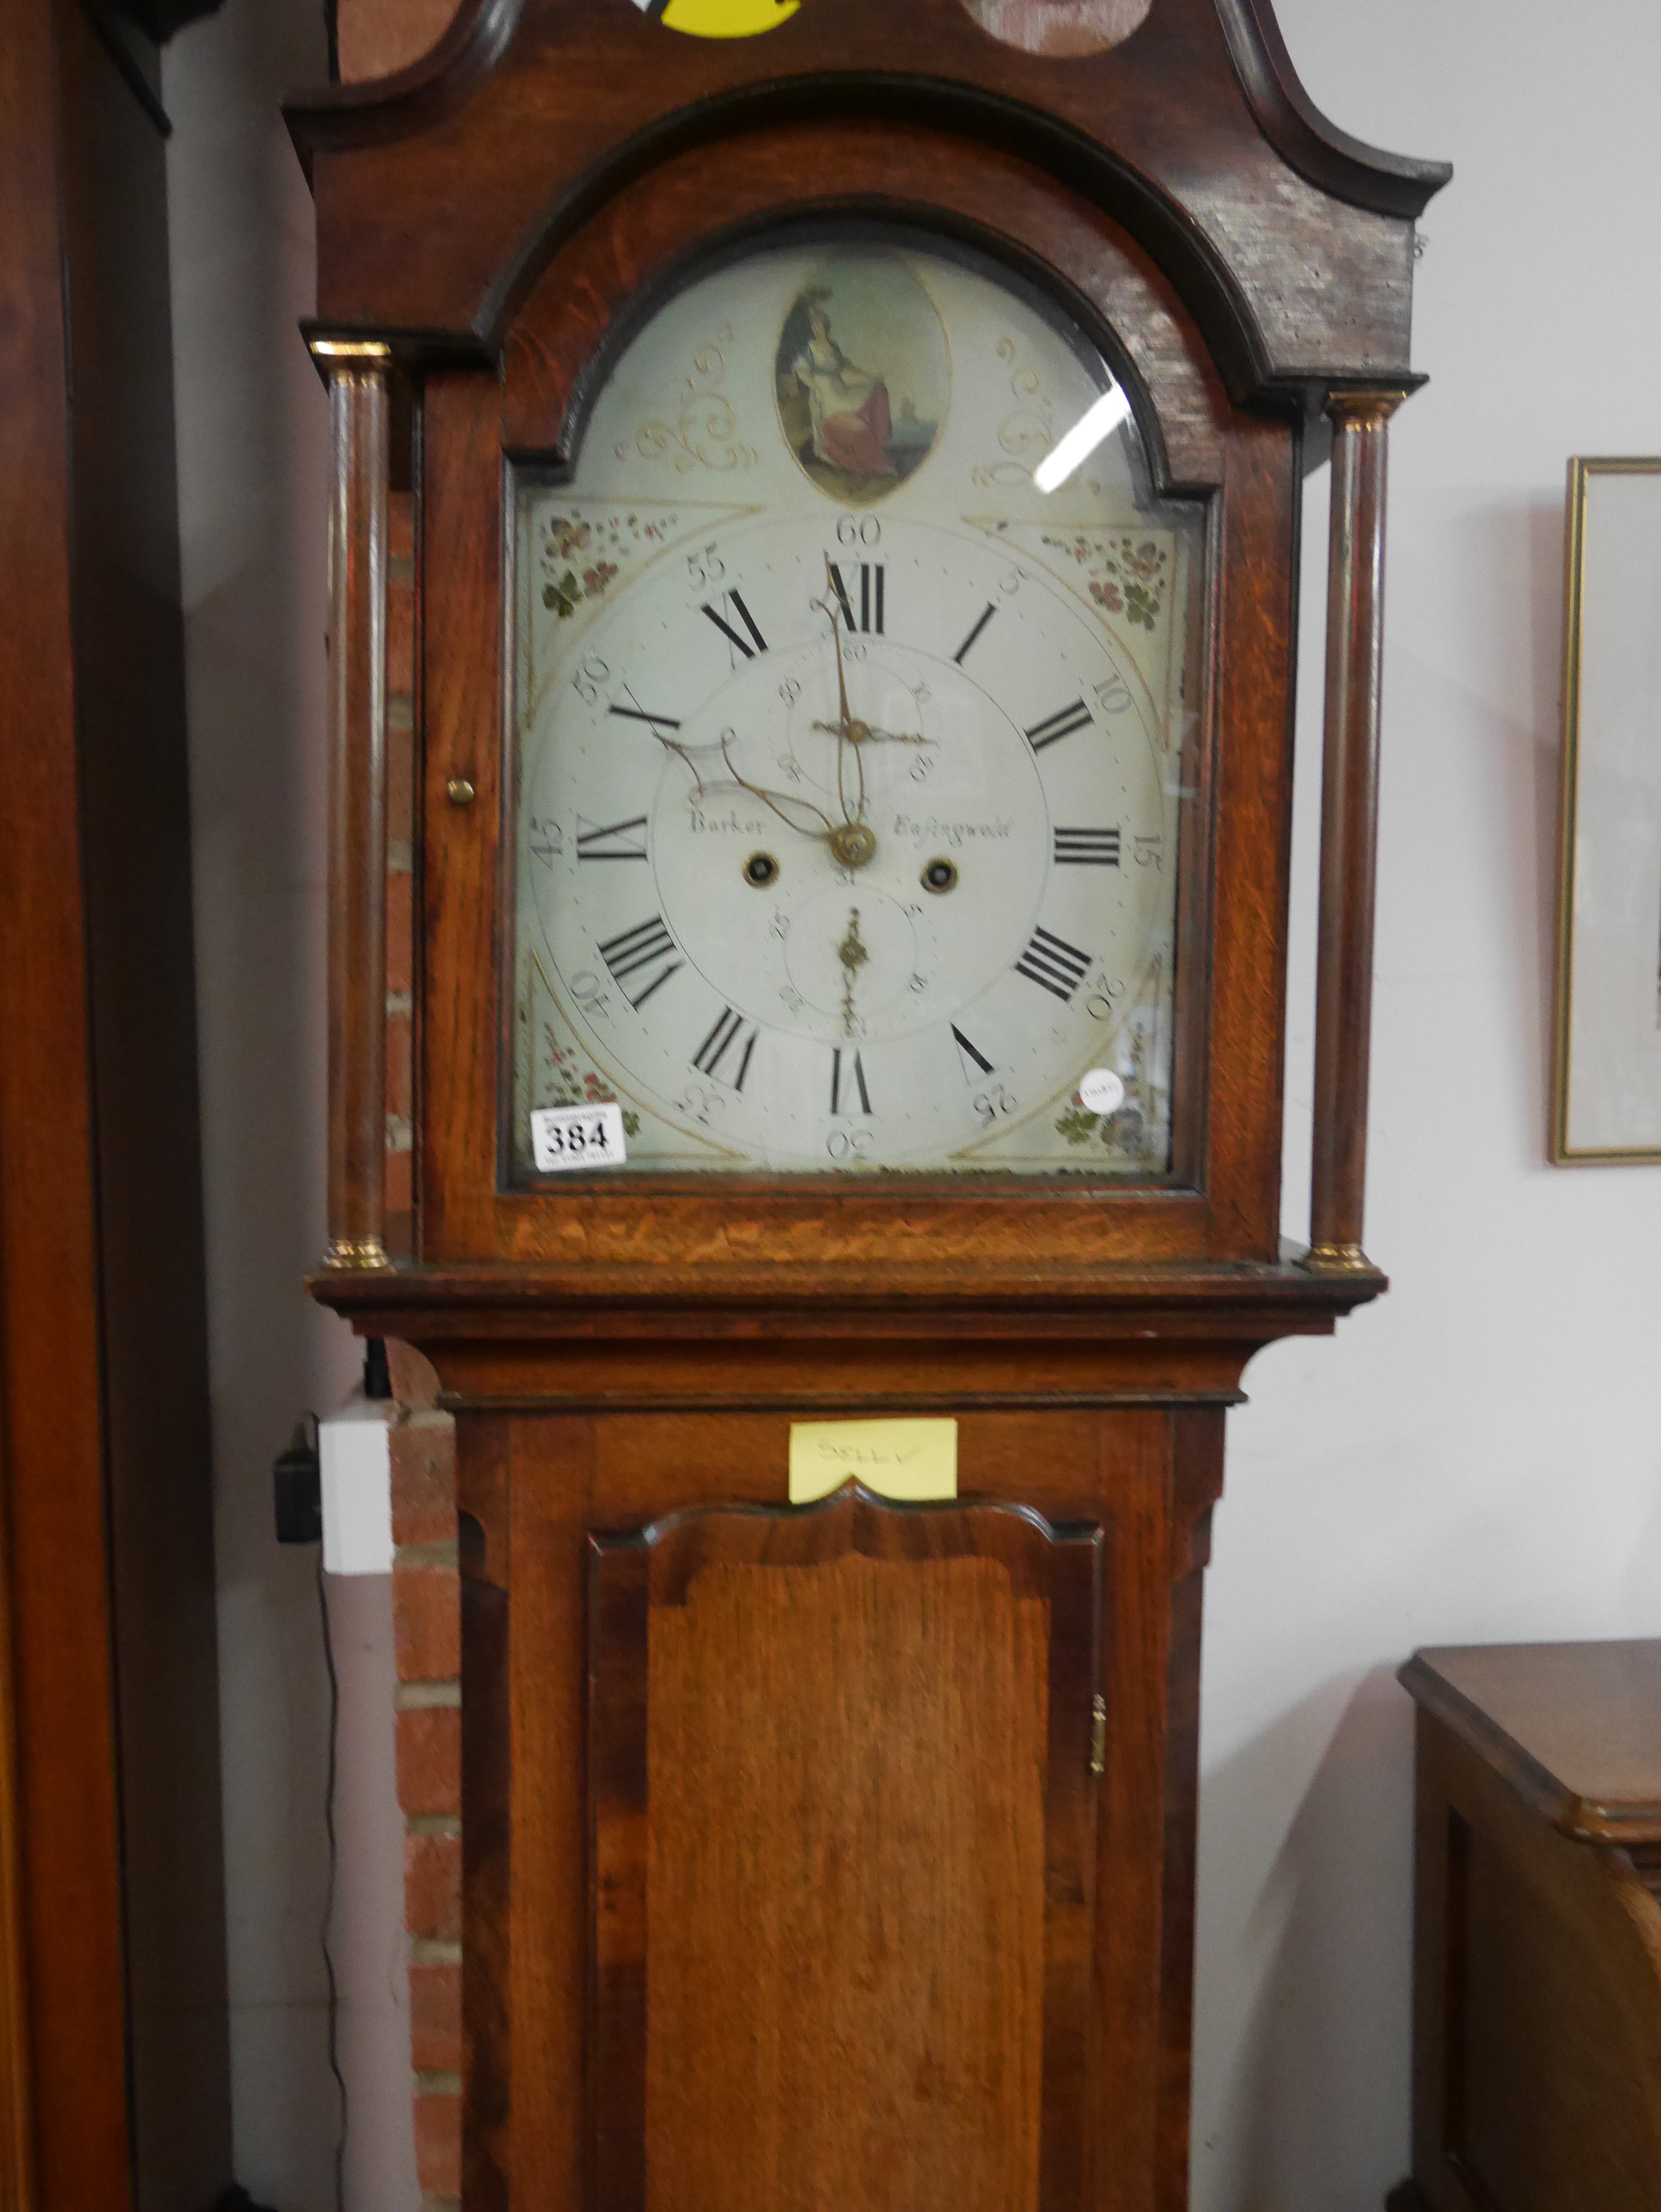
(297, 1482)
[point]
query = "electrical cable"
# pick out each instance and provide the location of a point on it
(328, 1904)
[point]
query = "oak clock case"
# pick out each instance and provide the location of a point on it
(849, 806)
(847, 1850)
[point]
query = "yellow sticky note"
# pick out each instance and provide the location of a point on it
(898, 1459)
(727, 19)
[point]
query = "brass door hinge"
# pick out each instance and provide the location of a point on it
(1098, 1735)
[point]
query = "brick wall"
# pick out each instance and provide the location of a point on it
(427, 1625)
(375, 36)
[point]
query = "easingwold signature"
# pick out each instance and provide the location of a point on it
(933, 831)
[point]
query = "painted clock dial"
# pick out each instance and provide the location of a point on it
(849, 786)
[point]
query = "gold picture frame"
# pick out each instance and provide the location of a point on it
(1606, 1057)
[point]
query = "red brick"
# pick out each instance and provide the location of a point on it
(400, 1067)
(424, 1458)
(400, 505)
(438, 2145)
(400, 638)
(400, 782)
(436, 2019)
(400, 941)
(432, 1887)
(429, 1759)
(426, 1623)
(400, 1184)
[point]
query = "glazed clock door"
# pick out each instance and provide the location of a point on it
(848, 758)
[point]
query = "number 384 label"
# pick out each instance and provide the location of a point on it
(564, 1137)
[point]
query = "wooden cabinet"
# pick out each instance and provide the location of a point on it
(114, 2066)
(1537, 1958)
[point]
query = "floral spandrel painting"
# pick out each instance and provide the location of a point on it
(864, 376)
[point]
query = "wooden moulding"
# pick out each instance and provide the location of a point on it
(1293, 241)
(358, 401)
(1349, 827)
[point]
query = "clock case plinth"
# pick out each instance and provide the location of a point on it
(492, 224)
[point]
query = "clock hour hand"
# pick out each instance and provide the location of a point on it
(863, 733)
(820, 826)
(781, 801)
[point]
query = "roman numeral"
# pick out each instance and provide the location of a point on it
(847, 1078)
(748, 647)
(615, 841)
(636, 713)
(1059, 725)
(1053, 965)
(725, 1036)
(871, 581)
(633, 952)
(986, 617)
(970, 1054)
(1098, 849)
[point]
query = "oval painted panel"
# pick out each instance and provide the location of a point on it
(863, 375)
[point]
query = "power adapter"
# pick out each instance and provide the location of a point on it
(297, 1484)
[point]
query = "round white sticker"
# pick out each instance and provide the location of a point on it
(1102, 1092)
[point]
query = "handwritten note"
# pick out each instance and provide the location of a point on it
(897, 1459)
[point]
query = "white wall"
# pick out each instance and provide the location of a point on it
(252, 460)
(1478, 1457)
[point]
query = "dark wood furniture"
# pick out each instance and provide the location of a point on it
(1538, 1942)
(114, 2054)
(651, 1956)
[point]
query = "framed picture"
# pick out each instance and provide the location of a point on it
(1606, 1089)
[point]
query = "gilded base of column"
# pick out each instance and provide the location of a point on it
(1337, 1260)
(358, 1255)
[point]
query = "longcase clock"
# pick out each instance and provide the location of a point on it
(857, 456)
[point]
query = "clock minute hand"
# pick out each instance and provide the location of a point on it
(825, 833)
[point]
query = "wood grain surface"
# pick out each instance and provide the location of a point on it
(1349, 824)
(1575, 1729)
(1537, 1997)
(115, 1951)
(844, 1831)
(534, 1485)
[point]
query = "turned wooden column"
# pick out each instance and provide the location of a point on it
(357, 374)
(1349, 825)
